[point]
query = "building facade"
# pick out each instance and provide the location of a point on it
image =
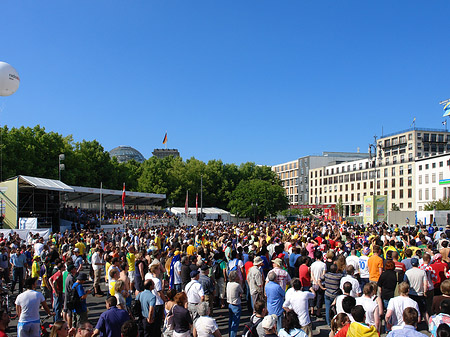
(163, 153)
(390, 171)
(432, 179)
(294, 175)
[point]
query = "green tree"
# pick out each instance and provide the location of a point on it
(270, 198)
(340, 207)
(438, 205)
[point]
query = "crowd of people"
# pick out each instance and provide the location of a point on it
(363, 280)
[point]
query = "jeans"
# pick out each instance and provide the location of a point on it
(234, 319)
(57, 306)
(328, 301)
(363, 282)
(17, 276)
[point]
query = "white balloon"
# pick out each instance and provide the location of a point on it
(9, 79)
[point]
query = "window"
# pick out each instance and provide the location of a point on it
(400, 182)
(394, 160)
(400, 170)
(409, 181)
(410, 169)
(433, 193)
(402, 139)
(441, 164)
(433, 178)
(427, 166)
(409, 204)
(420, 180)
(385, 172)
(393, 194)
(393, 171)
(426, 179)
(410, 136)
(385, 183)
(433, 165)
(420, 167)
(409, 193)
(441, 175)
(420, 194)
(400, 194)
(393, 183)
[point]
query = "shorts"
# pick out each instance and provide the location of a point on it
(68, 312)
(221, 288)
(308, 329)
(131, 276)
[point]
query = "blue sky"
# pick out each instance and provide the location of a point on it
(262, 81)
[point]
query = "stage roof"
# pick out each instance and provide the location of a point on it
(81, 194)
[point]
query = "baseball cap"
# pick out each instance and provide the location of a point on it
(269, 321)
(414, 262)
(194, 273)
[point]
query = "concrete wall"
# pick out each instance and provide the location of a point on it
(400, 218)
(428, 217)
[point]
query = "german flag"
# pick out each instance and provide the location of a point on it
(165, 139)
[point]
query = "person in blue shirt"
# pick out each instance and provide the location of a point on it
(18, 262)
(275, 298)
(110, 322)
(80, 310)
(292, 259)
(148, 303)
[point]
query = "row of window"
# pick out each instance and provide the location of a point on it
(359, 197)
(433, 165)
(433, 178)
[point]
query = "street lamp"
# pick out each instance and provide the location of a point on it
(61, 167)
(254, 206)
(376, 148)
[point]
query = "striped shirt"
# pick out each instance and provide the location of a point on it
(332, 282)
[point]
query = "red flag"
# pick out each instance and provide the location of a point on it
(123, 199)
(186, 203)
(165, 139)
(196, 204)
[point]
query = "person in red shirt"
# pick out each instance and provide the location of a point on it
(4, 321)
(56, 282)
(304, 274)
(440, 269)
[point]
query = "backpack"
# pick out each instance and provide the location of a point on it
(73, 299)
(136, 308)
(250, 328)
(235, 267)
(216, 270)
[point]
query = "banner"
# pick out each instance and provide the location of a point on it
(368, 209)
(27, 223)
(381, 207)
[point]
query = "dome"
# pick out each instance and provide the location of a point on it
(126, 153)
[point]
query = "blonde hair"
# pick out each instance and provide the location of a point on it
(118, 287)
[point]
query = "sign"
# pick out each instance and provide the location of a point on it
(327, 206)
(444, 181)
(27, 223)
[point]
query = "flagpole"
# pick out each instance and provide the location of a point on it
(201, 197)
(101, 185)
(166, 141)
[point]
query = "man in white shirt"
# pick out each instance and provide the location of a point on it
(396, 306)
(97, 265)
(317, 269)
(356, 290)
(370, 306)
(354, 261)
(297, 300)
(364, 266)
(195, 294)
(177, 275)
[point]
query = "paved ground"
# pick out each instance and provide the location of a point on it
(97, 305)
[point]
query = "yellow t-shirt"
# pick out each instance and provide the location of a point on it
(131, 259)
(112, 284)
(190, 250)
(81, 247)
